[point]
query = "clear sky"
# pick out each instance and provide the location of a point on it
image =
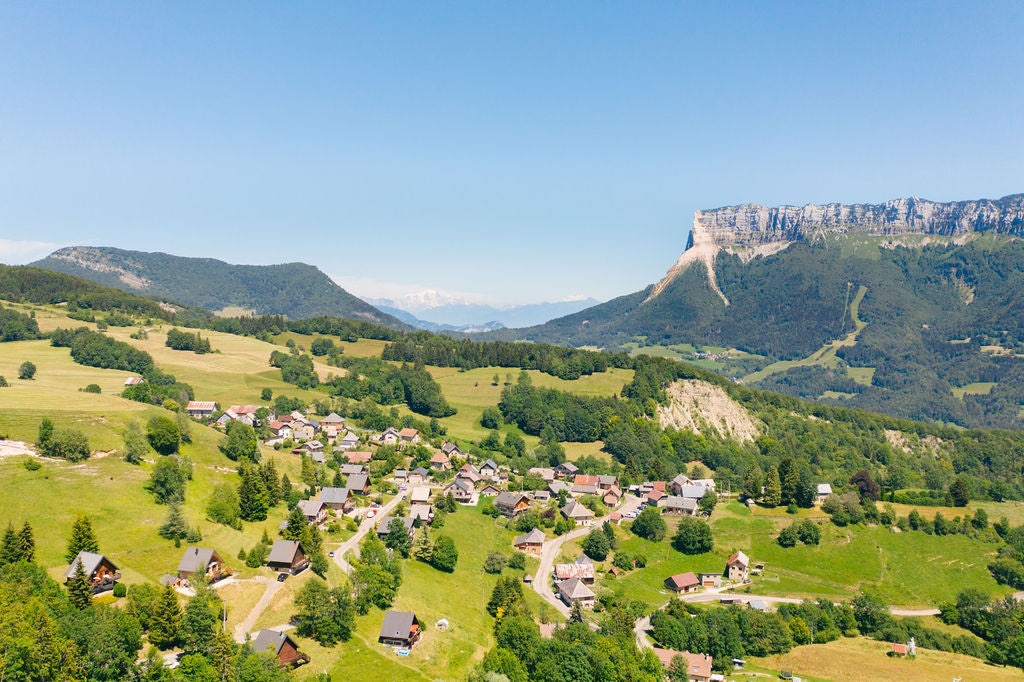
(519, 151)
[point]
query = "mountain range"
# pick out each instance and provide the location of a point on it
(910, 307)
(463, 316)
(295, 290)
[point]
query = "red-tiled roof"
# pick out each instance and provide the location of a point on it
(583, 479)
(200, 405)
(697, 665)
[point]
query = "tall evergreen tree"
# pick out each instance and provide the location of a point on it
(82, 539)
(26, 543)
(166, 620)
(772, 489)
(79, 589)
(252, 502)
(175, 527)
(199, 623)
(752, 482)
(422, 546)
(271, 482)
(296, 525)
(789, 480)
(222, 655)
(9, 550)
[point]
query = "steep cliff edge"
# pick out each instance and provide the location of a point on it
(751, 230)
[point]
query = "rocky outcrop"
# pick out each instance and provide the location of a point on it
(701, 407)
(753, 230)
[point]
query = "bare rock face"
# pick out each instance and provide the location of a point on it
(753, 230)
(751, 225)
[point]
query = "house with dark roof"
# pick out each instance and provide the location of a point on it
(511, 504)
(451, 449)
(349, 469)
(488, 468)
(99, 571)
(201, 561)
(566, 469)
(490, 490)
(531, 543)
(607, 481)
(418, 476)
(389, 437)
(280, 646)
(347, 442)
(359, 484)
(315, 511)
(400, 629)
(679, 506)
(337, 499)
(460, 489)
(384, 525)
(423, 512)
(577, 513)
(287, 556)
(574, 590)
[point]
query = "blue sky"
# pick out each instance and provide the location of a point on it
(513, 152)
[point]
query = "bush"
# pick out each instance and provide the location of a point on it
(120, 590)
(3, 382)
(32, 464)
(808, 532)
(787, 538)
(445, 555)
(1008, 572)
(92, 388)
(693, 536)
(27, 370)
(495, 562)
(649, 525)
(163, 434)
(517, 561)
(596, 545)
(66, 444)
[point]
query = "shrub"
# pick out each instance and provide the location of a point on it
(649, 525)
(120, 590)
(163, 434)
(693, 536)
(596, 545)
(27, 370)
(32, 464)
(808, 532)
(787, 538)
(3, 382)
(495, 562)
(517, 561)
(92, 388)
(66, 444)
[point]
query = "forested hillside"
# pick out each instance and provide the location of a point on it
(295, 290)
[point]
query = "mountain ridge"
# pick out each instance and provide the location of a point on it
(295, 290)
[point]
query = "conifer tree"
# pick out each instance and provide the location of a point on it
(9, 550)
(83, 539)
(252, 503)
(576, 615)
(26, 543)
(286, 487)
(772, 488)
(163, 628)
(308, 474)
(296, 525)
(199, 622)
(423, 546)
(79, 589)
(271, 482)
(222, 654)
(175, 527)
(339, 482)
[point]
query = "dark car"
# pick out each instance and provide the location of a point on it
(281, 577)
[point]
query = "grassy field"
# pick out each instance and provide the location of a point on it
(847, 560)
(859, 659)
(977, 388)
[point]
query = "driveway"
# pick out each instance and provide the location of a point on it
(368, 524)
(542, 581)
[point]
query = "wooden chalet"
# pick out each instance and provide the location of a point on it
(99, 571)
(281, 646)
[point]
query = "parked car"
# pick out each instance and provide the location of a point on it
(331, 553)
(281, 577)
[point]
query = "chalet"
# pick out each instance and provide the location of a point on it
(488, 469)
(584, 572)
(333, 419)
(824, 490)
(310, 447)
(577, 513)
(423, 512)
(607, 482)
(491, 490)
(556, 487)
(615, 517)
(303, 430)
(678, 506)
(470, 477)
(566, 469)
(440, 462)
(531, 543)
(384, 525)
(420, 495)
(612, 496)
(575, 591)
(461, 490)
(280, 646)
(418, 476)
(584, 485)
(361, 457)
(200, 409)
(359, 484)
(400, 475)
(287, 556)
(545, 473)
(280, 429)
(584, 560)
(99, 571)
(655, 497)
(347, 442)
(389, 437)
(682, 583)
(451, 449)
(400, 629)
(706, 483)
(337, 499)
(677, 483)
(315, 511)
(201, 561)
(738, 567)
(468, 468)
(512, 504)
(542, 495)
(710, 579)
(698, 666)
(349, 469)
(245, 414)
(409, 435)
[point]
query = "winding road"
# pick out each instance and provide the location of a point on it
(542, 581)
(352, 544)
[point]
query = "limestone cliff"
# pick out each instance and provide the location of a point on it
(753, 230)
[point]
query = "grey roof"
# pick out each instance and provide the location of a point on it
(575, 509)
(461, 483)
(350, 437)
(349, 469)
(419, 510)
(584, 560)
(421, 471)
(542, 495)
(533, 537)
(400, 473)
(574, 588)
(759, 604)
(195, 559)
(585, 488)
(568, 466)
(693, 491)
(334, 495)
(332, 418)
(310, 507)
(397, 624)
(489, 463)
(557, 486)
(508, 499)
(270, 641)
(607, 479)
(677, 502)
(358, 481)
(90, 562)
(283, 551)
(824, 488)
(384, 526)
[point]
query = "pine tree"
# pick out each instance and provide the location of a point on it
(296, 525)
(26, 543)
(79, 589)
(222, 654)
(251, 496)
(286, 487)
(308, 474)
(271, 482)
(772, 489)
(339, 482)
(576, 615)
(163, 628)
(176, 525)
(9, 550)
(312, 541)
(83, 539)
(423, 546)
(199, 623)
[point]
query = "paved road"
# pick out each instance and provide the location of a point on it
(352, 544)
(542, 581)
(245, 627)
